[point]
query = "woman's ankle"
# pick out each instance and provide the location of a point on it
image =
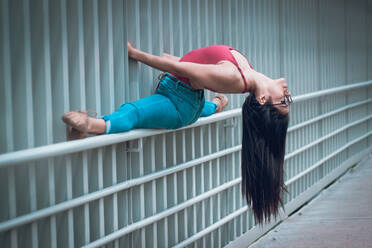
(96, 125)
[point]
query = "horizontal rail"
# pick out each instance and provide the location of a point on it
(99, 140)
(331, 91)
(63, 148)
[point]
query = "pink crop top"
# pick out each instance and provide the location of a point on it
(212, 55)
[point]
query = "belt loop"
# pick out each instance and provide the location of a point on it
(160, 78)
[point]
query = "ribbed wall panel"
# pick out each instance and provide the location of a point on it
(177, 188)
(369, 62)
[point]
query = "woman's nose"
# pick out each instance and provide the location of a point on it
(283, 83)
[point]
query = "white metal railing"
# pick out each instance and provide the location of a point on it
(7, 160)
(21, 157)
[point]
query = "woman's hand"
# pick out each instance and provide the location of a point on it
(131, 51)
(157, 62)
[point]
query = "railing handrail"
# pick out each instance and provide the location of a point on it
(63, 148)
(331, 91)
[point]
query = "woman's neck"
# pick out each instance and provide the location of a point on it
(257, 81)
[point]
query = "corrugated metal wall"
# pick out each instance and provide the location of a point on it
(164, 188)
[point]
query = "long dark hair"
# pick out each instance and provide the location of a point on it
(263, 149)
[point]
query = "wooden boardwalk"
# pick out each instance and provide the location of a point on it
(340, 216)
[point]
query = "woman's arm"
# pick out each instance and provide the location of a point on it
(161, 63)
(172, 57)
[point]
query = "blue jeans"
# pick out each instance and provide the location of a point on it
(174, 105)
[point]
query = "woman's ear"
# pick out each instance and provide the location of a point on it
(261, 99)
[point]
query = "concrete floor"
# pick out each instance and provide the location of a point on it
(340, 216)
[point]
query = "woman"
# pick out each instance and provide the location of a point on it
(179, 101)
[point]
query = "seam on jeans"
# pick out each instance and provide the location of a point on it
(198, 113)
(171, 92)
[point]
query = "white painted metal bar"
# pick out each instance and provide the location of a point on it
(111, 55)
(28, 76)
(101, 208)
(52, 201)
(184, 177)
(218, 183)
(81, 55)
(233, 176)
(331, 91)
(70, 213)
(47, 74)
(86, 205)
(33, 203)
(153, 188)
(175, 187)
(96, 58)
(115, 211)
(142, 192)
(7, 77)
(202, 184)
(193, 181)
(97, 141)
(210, 180)
(29, 113)
(165, 196)
(12, 205)
(64, 56)
(49, 116)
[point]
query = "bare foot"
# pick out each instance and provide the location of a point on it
(221, 101)
(74, 134)
(81, 124)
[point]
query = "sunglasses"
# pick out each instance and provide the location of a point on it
(287, 100)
